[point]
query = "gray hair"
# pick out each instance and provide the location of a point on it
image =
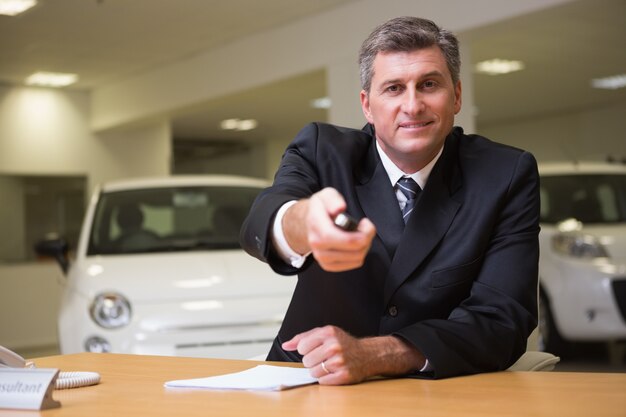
(405, 34)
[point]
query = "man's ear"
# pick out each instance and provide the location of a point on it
(365, 106)
(457, 97)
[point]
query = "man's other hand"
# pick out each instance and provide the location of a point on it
(337, 358)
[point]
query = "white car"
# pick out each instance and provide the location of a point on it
(158, 270)
(582, 267)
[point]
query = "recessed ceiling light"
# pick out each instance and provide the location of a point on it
(499, 66)
(321, 103)
(610, 83)
(14, 7)
(51, 79)
(238, 124)
(247, 124)
(229, 124)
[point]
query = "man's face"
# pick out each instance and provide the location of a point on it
(411, 103)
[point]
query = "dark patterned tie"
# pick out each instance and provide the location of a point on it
(411, 190)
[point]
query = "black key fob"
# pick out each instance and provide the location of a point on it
(346, 222)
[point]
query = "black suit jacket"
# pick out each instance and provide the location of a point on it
(459, 282)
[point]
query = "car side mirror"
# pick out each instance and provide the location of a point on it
(56, 248)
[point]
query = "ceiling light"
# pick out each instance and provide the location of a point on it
(610, 83)
(51, 79)
(229, 124)
(321, 103)
(238, 124)
(248, 124)
(14, 7)
(498, 66)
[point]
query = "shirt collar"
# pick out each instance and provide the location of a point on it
(395, 173)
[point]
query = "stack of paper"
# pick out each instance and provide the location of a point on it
(261, 377)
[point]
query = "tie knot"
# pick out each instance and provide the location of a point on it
(408, 187)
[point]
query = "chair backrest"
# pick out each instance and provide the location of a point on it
(535, 361)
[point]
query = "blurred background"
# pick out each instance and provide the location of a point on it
(147, 88)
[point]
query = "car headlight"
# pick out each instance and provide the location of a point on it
(579, 245)
(97, 344)
(110, 310)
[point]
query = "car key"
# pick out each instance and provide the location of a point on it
(346, 222)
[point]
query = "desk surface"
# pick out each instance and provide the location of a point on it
(132, 385)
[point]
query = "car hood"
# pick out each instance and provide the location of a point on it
(176, 276)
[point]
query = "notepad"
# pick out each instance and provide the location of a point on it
(259, 378)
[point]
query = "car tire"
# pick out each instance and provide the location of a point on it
(550, 340)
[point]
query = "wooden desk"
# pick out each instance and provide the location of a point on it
(133, 386)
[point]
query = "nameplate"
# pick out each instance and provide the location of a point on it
(27, 389)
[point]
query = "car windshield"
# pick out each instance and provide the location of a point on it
(169, 219)
(588, 198)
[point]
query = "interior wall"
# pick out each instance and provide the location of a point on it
(582, 135)
(275, 151)
(30, 297)
(46, 132)
(144, 150)
(11, 219)
(247, 160)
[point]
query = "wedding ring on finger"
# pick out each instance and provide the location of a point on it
(324, 368)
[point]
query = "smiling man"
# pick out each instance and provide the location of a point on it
(412, 101)
(440, 277)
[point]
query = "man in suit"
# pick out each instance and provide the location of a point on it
(438, 280)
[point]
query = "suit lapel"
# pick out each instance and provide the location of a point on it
(430, 219)
(379, 202)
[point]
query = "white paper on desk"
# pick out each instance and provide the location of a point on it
(261, 377)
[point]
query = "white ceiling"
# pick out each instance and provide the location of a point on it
(108, 40)
(563, 49)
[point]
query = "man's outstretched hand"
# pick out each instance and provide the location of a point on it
(309, 228)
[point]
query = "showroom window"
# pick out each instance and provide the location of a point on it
(34, 207)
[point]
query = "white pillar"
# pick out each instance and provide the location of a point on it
(343, 88)
(133, 152)
(467, 116)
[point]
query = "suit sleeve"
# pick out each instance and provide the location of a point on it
(295, 179)
(488, 331)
